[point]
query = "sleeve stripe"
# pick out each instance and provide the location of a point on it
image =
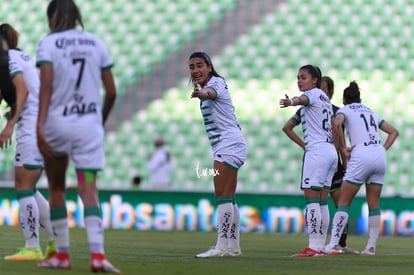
(107, 67)
(41, 62)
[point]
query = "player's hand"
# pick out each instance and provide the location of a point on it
(6, 137)
(285, 102)
(8, 115)
(197, 91)
(5, 141)
(346, 153)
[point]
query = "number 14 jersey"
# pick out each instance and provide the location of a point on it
(362, 124)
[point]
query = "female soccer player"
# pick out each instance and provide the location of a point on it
(320, 159)
(327, 85)
(229, 150)
(72, 65)
(365, 164)
(22, 97)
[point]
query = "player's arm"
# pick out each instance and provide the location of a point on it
(288, 130)
(294, 101)
(335, 134)
(203, 93)
(21, 96)
(45, 94)
(110, 93)
(339, 138)
(392, 134)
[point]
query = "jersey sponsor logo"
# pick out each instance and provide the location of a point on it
(356, 106)
(372, 142)
(63, 43)
(86, 42)
(80, 109)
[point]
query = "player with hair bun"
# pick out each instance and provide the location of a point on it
(365, 163)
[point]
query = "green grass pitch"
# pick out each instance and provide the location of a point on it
(142, 252)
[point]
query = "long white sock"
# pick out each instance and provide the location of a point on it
(94, 229)
(60, 226)
(234, 241)
(29, 217)
(374, 222)
(325, 219)
(44, 215)
(313, 221)
(339, 222)
(224, 221)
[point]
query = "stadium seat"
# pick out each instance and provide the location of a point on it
(352, 40)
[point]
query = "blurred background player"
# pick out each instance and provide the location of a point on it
(159, 165)
(365, 163)
(320, 159)
(73, 63)
(229, 150)
(20, 89)
(327, 85)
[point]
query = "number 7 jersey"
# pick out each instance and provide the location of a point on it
(78, 59)
(361, 123)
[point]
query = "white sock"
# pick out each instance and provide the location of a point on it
(374, 222)
(325, 219)
(234, 241)
(61, 230)
(313, 221)
(339, 222)
(29, 220)
(94, 231)
(224, 222)
(44, 215)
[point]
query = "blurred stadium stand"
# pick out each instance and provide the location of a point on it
(257, 46)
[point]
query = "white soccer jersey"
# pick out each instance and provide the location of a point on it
(78, 59)
(21, 63)
(27, 153)
(361, 123)
(219, 118)
(316, 118)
